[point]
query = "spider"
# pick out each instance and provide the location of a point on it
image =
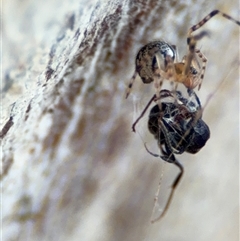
(178, 127)
(156, 60)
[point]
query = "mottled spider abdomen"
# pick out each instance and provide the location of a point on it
(146, 62)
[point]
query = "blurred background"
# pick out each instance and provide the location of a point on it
(72, 167)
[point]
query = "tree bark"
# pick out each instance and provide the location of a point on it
(72, 168)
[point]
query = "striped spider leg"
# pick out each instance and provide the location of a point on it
(192, 41)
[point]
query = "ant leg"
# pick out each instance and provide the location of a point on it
(153, 154)
(159, 183)
(167, 155)
(173, 187)
(157, 194)
(143, 112)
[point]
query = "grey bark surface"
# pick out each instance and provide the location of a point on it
(72, 169)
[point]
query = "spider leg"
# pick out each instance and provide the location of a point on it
(200, 68)
(208, 17)
(130, 85)
(169, 73)
(203, 69)
(176, 53)
(192, 41)
(158, 82)
(158, 86)
(195, 62)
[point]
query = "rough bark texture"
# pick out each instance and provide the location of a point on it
(72, 168)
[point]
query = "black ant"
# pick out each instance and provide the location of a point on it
(178, 127)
